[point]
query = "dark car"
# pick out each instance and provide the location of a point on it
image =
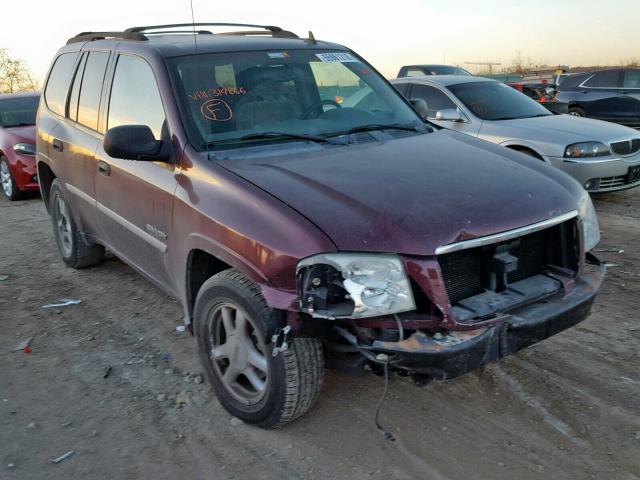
(543, 93)
(18, 144)
(424, 70)
(290, 227)
(612, 95)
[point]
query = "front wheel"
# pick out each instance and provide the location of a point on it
(577, 112)
(9, 186)
(233, 325)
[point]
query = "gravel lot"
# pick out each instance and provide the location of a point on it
(564, 409)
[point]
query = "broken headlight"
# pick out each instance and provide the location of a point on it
(353, 285)
(590, 225)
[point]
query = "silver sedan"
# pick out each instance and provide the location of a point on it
(602, 156)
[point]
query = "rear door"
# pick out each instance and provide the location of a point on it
(83, 108)
(630, 97)
(135, 198)
(600, 95)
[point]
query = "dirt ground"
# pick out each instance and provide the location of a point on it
(567, 408)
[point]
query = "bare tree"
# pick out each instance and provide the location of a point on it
(15, 75)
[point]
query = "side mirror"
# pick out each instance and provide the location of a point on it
(134, 142)
(449, 115)
(420, 106)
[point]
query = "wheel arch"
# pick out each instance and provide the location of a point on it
(45, 179)
(526, 150)
(201, 266)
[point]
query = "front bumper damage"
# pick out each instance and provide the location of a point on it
(450, 354)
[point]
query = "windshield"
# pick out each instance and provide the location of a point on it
(227, 97)
(18, 111)
(497, 101)
(445, 70)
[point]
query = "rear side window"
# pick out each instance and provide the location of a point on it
(75, 90)
(135, 99)
(415, 72)
(55, 94)
(608, 79)
(436, 100)
(91, 89)
(631, 79)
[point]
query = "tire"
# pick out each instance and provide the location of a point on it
(577, 112)
(7, 182)
(275, 390)
(73, 249)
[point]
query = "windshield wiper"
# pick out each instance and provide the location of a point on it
(380, 126)
(273, 136)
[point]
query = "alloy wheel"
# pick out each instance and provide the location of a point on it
(237, 353)
(63, 226)
(5, 179)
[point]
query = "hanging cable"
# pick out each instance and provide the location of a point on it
(388, 435)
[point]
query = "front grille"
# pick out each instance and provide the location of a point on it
(469, 272)
(626, 147)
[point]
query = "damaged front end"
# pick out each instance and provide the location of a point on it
(470, 304)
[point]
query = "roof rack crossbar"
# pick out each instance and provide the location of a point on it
(90, 36)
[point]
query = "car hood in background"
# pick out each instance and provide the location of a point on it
(413, 194)
(554, 132)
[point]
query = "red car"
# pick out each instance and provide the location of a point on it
(18, 172)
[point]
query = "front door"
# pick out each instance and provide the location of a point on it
(135, 198)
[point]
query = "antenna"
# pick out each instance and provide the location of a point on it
(193, 23)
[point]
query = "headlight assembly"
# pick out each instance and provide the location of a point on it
(353, 285)
(25, 148)
(590, 225)
(586, 150)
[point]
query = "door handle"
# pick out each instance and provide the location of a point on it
(58, 146)
(104, 168)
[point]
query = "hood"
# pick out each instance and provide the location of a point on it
(411, 195)
(561, 130)
(25, 134)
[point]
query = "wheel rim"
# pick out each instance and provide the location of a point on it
(237, 353)
(575, 114)
(63, 226)
(5, 179)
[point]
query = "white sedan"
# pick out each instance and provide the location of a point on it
(602, 156)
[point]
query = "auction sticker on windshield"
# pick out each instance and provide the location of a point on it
(336, 57)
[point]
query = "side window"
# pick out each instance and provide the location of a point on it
(135, 98)
(91, 89)
(72, 111)
(415, 72)
(55, 93)
(607, 79)
(436, 100)
(401, 87)
(631, 79)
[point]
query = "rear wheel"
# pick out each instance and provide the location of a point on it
(577, 112)
(73, 250)
(9, 187)
(232, 326)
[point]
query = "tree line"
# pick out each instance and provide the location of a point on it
(15, 75)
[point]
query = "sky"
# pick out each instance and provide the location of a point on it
(387, 34)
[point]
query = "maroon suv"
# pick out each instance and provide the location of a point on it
(301, 210)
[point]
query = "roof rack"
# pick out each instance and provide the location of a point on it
(90, 36)
(265, 29)
(142, 33)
